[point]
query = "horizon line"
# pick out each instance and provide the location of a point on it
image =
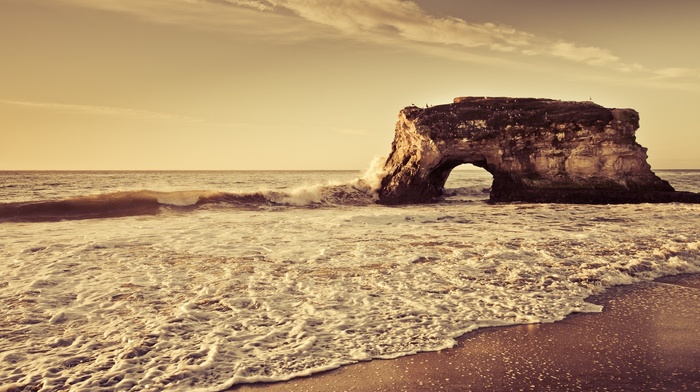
(476, 168)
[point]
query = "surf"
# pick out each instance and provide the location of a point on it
(358, 192)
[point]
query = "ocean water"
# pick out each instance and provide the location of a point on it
(180, 281)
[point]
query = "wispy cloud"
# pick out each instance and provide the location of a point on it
(397, 18)
(103, 111)
(381, 21)
(243, 3)
(232, 16)
(406, 20)
(677, 72)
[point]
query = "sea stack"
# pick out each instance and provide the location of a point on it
(538, 150)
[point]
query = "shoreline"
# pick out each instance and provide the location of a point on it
(646, 338)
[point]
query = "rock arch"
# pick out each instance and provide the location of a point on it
(538, 150)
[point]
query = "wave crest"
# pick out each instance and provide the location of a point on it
(87, 207)
(361, 191)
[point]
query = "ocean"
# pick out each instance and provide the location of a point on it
(181, 281)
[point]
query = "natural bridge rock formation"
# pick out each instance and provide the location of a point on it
(538, 150)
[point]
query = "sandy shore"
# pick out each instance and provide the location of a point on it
(647, 338)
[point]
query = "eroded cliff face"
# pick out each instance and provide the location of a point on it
(537, 150)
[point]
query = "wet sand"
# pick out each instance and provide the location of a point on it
(646, 339)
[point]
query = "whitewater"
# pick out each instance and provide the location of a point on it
(180, 281)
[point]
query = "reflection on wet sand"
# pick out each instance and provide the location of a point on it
(647, 338)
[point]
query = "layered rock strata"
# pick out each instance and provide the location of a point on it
(538, 150)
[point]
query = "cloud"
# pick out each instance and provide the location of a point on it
(394, 22)
(381, 20)
(242, 3)
(677, 72)
(590, 55)
(586, 54)
(400, 18)
(103, 111)
(243, 17)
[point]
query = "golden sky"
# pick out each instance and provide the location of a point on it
(317, 84)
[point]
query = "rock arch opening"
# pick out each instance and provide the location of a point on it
(468, 182)
(440, 174)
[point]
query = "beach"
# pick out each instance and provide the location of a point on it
(647, 338)
(208, 281)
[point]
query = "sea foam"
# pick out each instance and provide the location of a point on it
(205, 298)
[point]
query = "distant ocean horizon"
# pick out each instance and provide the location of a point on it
(464, 167)
(186, 280)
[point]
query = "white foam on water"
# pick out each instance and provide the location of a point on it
(215, 297)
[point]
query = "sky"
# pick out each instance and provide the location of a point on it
(318, 84)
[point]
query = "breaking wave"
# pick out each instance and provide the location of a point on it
(360, 191)
(146, 202)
